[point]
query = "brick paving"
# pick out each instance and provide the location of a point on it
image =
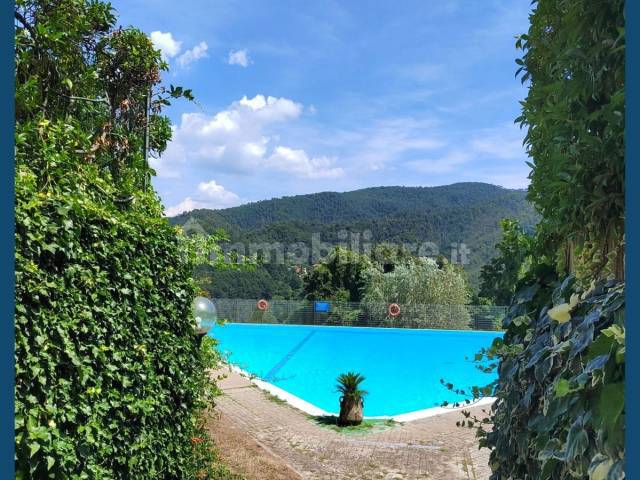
(430, 448)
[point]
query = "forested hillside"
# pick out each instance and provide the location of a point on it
(468, 213)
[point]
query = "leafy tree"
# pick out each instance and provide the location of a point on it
(500, 277)
(341, 276)
(110, 378)
(561, 406)
(387, 256)
(264, 281)
(430, 293)
(574, 112)
(418, 282)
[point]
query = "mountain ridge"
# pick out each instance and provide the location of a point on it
(447, 215)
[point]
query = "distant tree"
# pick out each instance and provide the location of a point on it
(498, 279)
(388, 255)
(420, 281)
(341, 276)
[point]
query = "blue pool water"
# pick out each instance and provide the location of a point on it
(402, 367)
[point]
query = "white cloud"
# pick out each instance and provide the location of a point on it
(208, 195)
(493, 155)
(196, 53)
(234, 140)
(186, 205)
(164, 41)
(298, 163)
(380, 146)
(218, 195)
(271, 109)
(239, 57)
(170, 48)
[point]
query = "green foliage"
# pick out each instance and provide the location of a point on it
(467, 213)
(341, 276)
(109, 376)
(347, 278)
(349, 385)
(574, 61)
(560, 408)
(387, 256)
(263, 281)
(417, 282)
(108, 373)
(498, 279)
(429, 293)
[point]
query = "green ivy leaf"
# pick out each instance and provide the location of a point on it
(577, 441)
(33, 449)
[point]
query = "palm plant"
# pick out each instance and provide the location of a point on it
(351, 401)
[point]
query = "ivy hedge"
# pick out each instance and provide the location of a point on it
(560, 403)
(110, 377)
(108, 370)
(560, 407)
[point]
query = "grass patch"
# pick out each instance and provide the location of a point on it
(367, 426)
(272, 397)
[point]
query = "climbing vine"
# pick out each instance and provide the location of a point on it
(109, 375)
(560, 391)
(573, 61)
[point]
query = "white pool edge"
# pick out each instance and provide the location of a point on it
(311, 409)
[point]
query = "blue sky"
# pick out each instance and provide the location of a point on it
(298, 97)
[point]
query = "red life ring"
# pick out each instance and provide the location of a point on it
(394, 310)
(263, 304)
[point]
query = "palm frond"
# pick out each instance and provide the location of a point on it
(349, 383)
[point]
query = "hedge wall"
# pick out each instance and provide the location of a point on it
(110, 378)
(108, 371)
(560, 408)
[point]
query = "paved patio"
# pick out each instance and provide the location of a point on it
(285, 443)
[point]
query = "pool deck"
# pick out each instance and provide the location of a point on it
(260, 437)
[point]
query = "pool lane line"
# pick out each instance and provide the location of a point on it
(276, 368)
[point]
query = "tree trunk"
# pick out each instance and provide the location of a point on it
(350, 411)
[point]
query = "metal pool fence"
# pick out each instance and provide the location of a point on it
(300, 312)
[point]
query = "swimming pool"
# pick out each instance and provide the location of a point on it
(403, 367)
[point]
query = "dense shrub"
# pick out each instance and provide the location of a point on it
(574, 63)
(429, 294)
(498, 278)
(341, 276)
(560, 408)
(110, 377)
(418, 282)
(108, 372)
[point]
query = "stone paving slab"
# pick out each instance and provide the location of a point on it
(430, 448)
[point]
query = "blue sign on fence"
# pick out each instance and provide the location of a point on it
(322, 307)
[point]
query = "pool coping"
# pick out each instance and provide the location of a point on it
(311, 409)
